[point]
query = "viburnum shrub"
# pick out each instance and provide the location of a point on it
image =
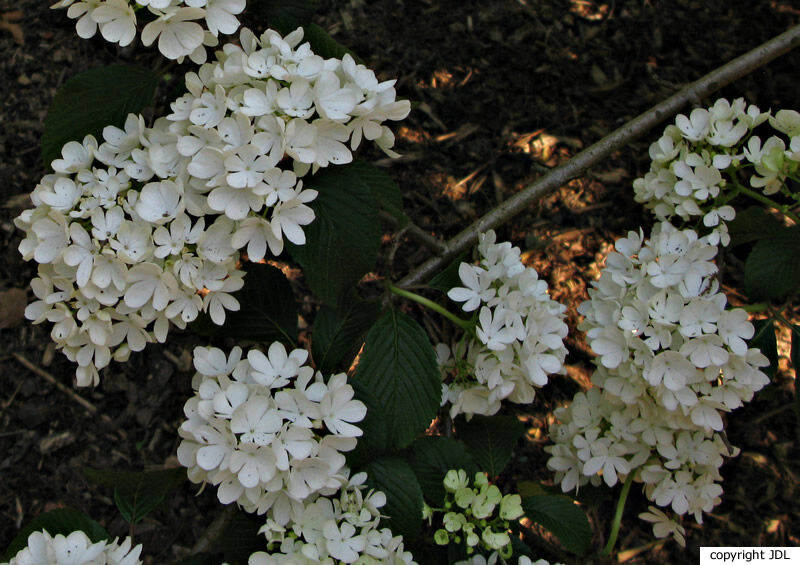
(372, 445)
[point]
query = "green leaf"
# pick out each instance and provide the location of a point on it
(339, 332)
(375, 441)
(59, 521)
(403, 507)
(399, 367)
(284, 16)
(325, 46)
(765, 340)
(137, 493)
(92, 100)
(795, 350)
(490, 440)
(448, 278)
(199, 559)
(772, 269)
(240, 538)
(342, 242)
(752, 224)
(563, 518)
(432, 457)
(268, 310)
(384, 189)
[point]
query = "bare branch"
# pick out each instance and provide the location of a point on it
(592, 155)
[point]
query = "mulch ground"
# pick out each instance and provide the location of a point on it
(502, 91)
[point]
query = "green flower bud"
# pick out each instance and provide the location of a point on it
(441, 537)
(511, 507)
(455, 479)
(454, 521)
(495, 540)
(481, 479)
(464, 497)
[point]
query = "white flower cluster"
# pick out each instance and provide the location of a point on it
(175, 24)
(671, 360)
(143, 230)
(342, 528)
(75, 549)
(518, 340)
(494, 557)
(268, 429)
(697, 163)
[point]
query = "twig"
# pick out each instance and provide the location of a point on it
(52, 380)
(592, 155)
(417, 233)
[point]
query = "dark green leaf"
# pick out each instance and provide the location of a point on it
(284, 16)
(563, 518)
(772, 269)
(375, 441)
(384, 189)
(199, 559)
(753, 224)
(339, 332)
(92, 100)
(432, 457)
(399, 367)
(403, 507)
(342, 242)
(448, 278)
(268, 310)
(137, 493)
(240, 538)
(764, 339)
(490, 440)
(325, 46)
(59, 521)
(795, 351)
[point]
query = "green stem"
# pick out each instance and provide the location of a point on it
(623, 496)
(769, 202)
(464, 324)
(757, 307)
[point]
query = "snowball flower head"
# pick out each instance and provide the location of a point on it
(267, 429)
(517, 342)
(75, 549)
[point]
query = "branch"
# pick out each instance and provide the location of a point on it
(594, 154)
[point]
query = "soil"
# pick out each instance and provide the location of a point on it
(502, 91)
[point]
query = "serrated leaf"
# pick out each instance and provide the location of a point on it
(284, 16)
(268, 311)
(92, 100)
(403, 507)
(343, 240)
(490, 440)
(384, 189)
(772, 269)
(375, 441)
(765, 340)
(326, 46)
(752, 224)
(448, 278)
(59, 521)
(137, 493)
(563, 518)
(432, 457)
(399, 368)
(339, 332)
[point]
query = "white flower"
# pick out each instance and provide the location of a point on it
(117, 21)
(177, 34)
